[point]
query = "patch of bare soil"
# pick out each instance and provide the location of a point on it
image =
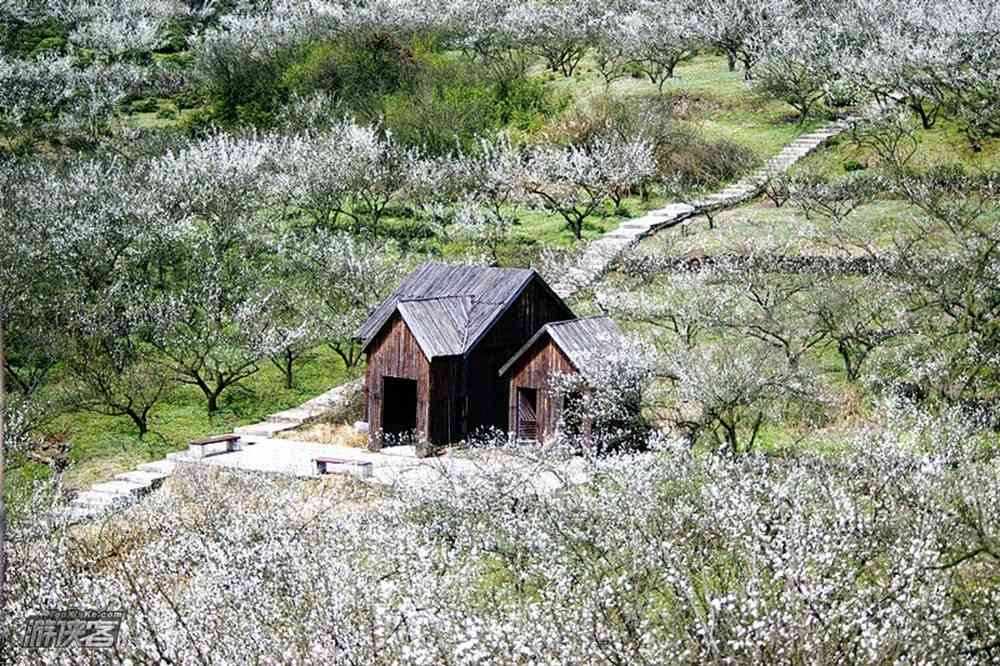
(340, 434)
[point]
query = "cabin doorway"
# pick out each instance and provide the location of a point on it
(527, 413)
(399, 406)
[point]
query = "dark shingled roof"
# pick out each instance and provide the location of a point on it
(449, 308)
(582, 340)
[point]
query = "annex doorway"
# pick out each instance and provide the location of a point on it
(527, 413)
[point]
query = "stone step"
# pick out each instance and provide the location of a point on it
(165, 467)
(297, 415)
(265, 428)
(151, 480)
(92, 499)
(78, 513)
(120, 488)
(178, 456)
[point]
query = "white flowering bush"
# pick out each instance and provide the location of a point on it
(885, 550)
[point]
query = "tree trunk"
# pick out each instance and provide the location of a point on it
(3, 506)
(289, 369)
(140, 420)
(731, 60)
(213, 402)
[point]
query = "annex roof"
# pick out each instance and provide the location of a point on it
(449, 308)
(582, 340)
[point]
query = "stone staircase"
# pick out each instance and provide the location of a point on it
(129, 487)
(599, 254)
(126, 488)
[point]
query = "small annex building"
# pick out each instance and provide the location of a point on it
(435, 346)
(576, 346)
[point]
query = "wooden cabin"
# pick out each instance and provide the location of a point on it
(435, 347)
(565, 347)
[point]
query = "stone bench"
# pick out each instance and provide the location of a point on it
(208, 446)
(359, 468)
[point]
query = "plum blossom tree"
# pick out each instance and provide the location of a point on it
(493, 184)
(743, 29)
(216, 317)
(602, 409)
(350, 170)
(660, 36)
(336, 280)
(726, 392)
(561, 34)
(576, 181)
(796, 68)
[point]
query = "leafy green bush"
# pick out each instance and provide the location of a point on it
(168, 111)
(455, 102)
(173, 36)
(18, 38)
(357, 70)
(425, 97)
(49, 45)
(146, 105)
(243, 87)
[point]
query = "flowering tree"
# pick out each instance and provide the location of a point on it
(351, 170)
(216, 318)
(602, 408)
(796, 68)
(742, 29)
(660, 36)
(559, 33)
(336, 280)
(575, 181)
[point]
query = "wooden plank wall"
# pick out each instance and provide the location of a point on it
(395, 353)
(533, 370)
(447, 400)
(456, 396)
(488, 392)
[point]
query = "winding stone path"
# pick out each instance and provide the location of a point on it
(599, 254)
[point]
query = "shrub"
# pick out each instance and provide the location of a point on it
(169, 111)
(243, 86)
(357, 70)
(682, 154)
(173, 36)
(145, 105)
(31, 39)
(454, 103)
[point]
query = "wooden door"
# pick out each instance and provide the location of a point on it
(527, 413)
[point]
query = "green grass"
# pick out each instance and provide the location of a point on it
(103, 446)
(942, 144)
(761, 223)
(715, 100)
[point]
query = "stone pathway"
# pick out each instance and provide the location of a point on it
(130, 487)
(288, 457)
(599, 254)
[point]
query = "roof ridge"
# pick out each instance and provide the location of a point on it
(408, 299)
(578, 319)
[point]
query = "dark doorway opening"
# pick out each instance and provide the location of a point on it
(399, 405)
(527, 413)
